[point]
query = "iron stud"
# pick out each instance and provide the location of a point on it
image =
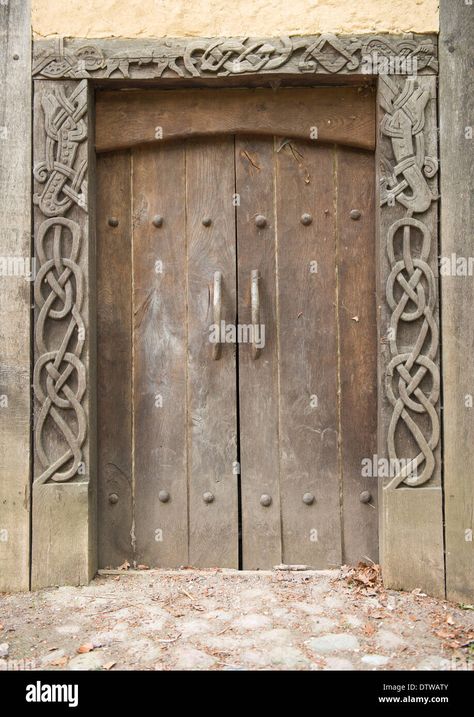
(365, 497)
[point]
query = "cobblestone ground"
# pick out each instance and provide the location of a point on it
(226, 620)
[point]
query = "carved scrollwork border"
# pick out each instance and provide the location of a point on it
(61, 206)
(325, 54)
(408, 187)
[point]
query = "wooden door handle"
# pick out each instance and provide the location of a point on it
(217, 311)
(255, 302)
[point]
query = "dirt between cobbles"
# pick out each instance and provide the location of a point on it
(230, 620)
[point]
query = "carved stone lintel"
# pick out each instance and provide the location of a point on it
(320, 54)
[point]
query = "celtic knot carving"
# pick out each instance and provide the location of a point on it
(404, 124)
(406, 371)
(59, 376)
(330, 53)
(325, 53)
(412, 379)
(65, 129)
(58, 369)
(235, 56)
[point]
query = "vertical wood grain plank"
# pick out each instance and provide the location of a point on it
(160, 355)
(307, 355)
(358, 360)
(212, 420)
(258, 378)
(457, 231)
(114, 259)
(15, 295)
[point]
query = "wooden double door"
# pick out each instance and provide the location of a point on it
(236, 336)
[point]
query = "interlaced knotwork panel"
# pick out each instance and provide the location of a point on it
(322, 54)
(59, 377)
(412, 378)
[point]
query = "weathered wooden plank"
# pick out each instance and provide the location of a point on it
(114, 359)
(339, 115)
(413, 540)
(357, 330)
(457, 230)
(15, 294)
(258, 377)
(64, 548)
(212, 420)
(65, 337)
(160, 356)
(307, 333)
(410, 495)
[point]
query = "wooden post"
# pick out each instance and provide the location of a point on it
(457, 285)
(15, 294)
(411, 525)
(63, 525)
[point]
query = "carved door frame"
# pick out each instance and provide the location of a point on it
(66, 74)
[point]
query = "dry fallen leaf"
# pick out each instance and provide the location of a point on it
(143, 567)
(59, 661)
(368, 629)
(108, 665)
(124, 566)
(445, 634)
(365, 577)
(87, 647)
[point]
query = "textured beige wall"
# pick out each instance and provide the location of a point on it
(181, 18)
